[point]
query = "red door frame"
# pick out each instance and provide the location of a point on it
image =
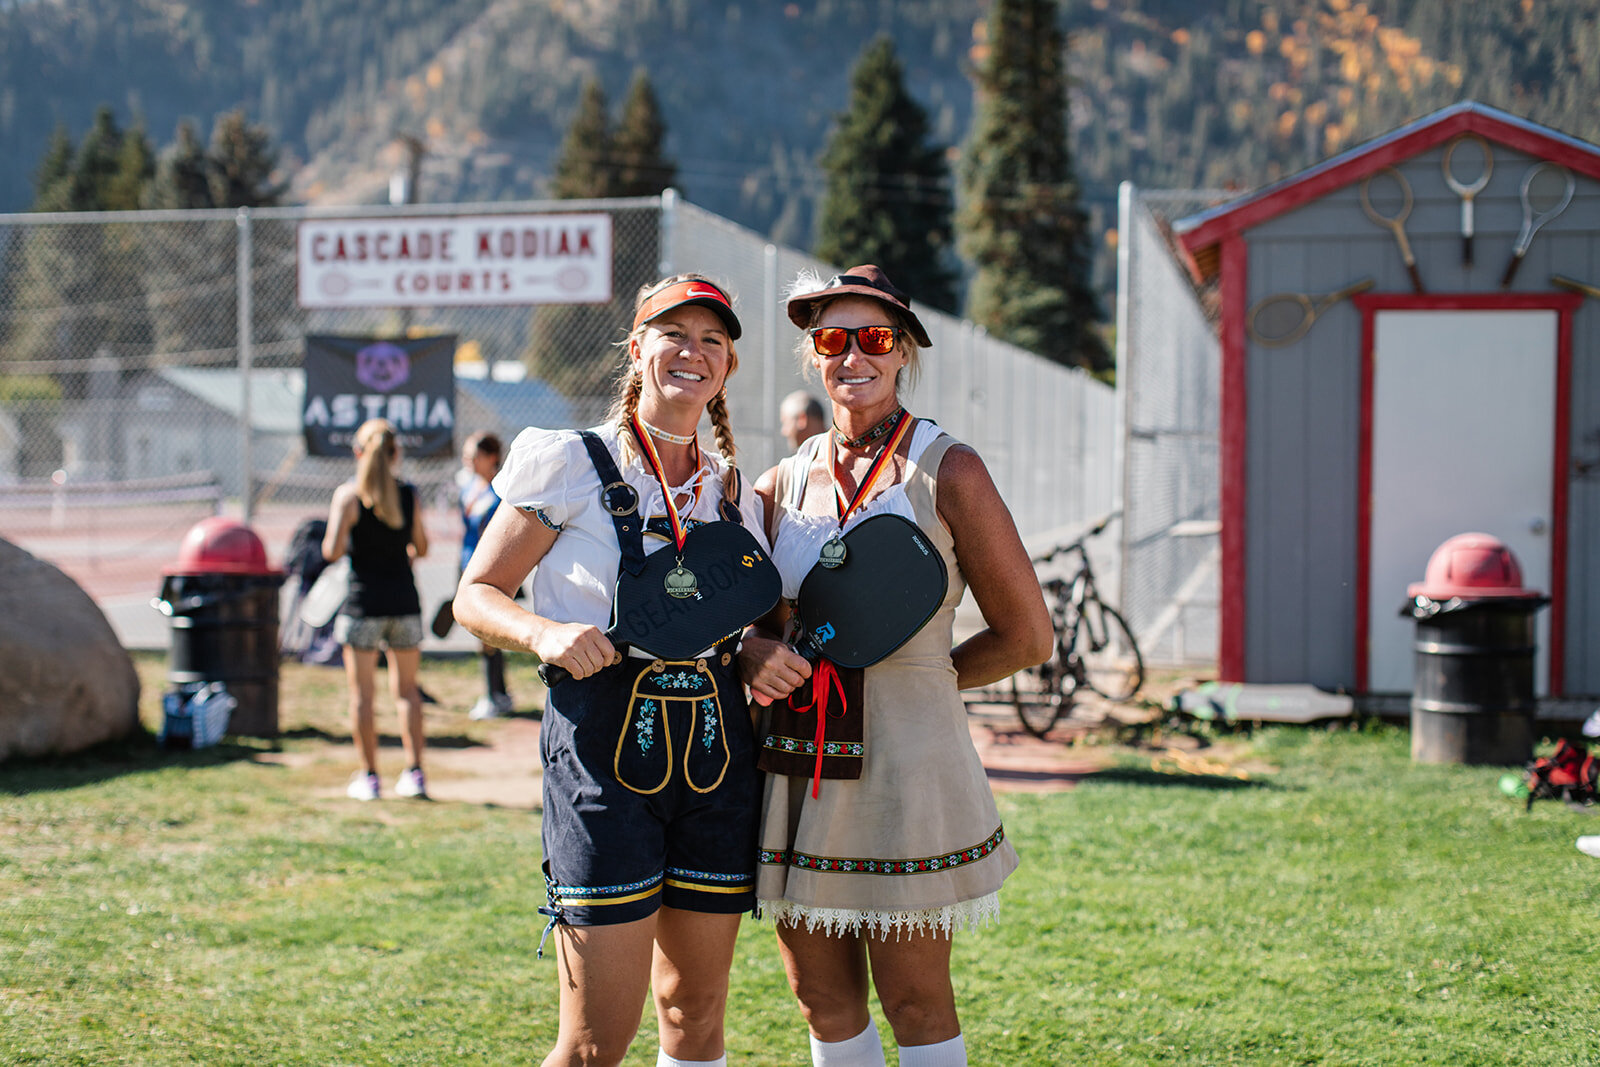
(1564, 305)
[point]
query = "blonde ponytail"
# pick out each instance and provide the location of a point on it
(377, 451)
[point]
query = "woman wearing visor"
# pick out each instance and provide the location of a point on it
(869, 866)
(650, 786)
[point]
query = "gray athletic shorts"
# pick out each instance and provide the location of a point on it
(399, 632)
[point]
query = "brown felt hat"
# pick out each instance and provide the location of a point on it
(865, 280)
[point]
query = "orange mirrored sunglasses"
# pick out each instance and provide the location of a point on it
(873, 340)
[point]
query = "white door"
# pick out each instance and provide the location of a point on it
(1463, 416)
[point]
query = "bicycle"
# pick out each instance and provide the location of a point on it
(1094, 647)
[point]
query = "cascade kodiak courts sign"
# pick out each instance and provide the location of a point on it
(460, 261)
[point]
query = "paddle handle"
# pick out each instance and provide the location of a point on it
(550, 674)
(806, 652)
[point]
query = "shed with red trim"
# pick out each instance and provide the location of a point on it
(1459, 392)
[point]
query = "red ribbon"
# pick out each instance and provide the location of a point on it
(826, 676)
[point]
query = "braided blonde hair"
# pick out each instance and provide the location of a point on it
(630, 387)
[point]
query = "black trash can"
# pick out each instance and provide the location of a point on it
(222, 599)
(1472, 695)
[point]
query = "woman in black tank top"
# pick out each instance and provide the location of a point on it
(374, 520)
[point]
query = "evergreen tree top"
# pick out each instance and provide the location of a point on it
(888, 194)
(581, 172)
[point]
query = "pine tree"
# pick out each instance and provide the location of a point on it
(568, 344)
(136, 166)
(87, 290)
(641, 167)
(52, 179)
(181, 177)
(95, 167)
(242, 161)
(584, 169)
(888, 198)
(235, 171)
(1021, 223)
(75, 179)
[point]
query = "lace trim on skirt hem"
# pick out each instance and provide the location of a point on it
(837, 922)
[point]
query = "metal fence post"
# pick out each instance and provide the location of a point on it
(769, 339)
(669, 206)
(1119, 451)
(245, 311)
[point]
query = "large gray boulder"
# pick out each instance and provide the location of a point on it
(66, 682)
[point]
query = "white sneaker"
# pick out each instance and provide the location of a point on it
(486, 708)
(363, 786)
(411, 784)
(1589, 846)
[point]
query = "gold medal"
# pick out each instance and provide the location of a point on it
(681, 582)
(833, 552)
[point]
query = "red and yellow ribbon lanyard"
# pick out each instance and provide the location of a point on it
(826, 675)
(680, 582)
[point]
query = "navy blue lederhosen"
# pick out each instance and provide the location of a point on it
(651, 793)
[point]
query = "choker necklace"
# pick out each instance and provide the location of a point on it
(871, 435)
(670, 438)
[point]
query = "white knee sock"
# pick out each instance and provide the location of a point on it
(952, 1053)
(863, 1050)
(663, 1060)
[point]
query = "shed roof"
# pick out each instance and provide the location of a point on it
(275, 395)
(1201, 235)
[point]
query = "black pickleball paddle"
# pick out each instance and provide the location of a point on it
(733, 584)
(891, 582)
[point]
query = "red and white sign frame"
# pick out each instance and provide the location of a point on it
(455, 261)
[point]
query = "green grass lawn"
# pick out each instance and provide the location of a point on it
(1340, 906)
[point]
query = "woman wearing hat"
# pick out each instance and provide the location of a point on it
(650, 801)
(872, 871)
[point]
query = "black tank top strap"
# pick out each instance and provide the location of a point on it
(620, 500)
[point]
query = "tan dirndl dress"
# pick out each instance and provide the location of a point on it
(916, 843)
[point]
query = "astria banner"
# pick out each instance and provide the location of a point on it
(408, 380)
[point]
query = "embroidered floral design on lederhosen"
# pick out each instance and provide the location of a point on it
(674, 717)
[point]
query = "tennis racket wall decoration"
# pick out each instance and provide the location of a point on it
(1547, 189)
(1591, 291)
(1467, 191)
(1283, 318)
(1386, 198)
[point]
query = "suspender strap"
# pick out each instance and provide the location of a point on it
(620, 501)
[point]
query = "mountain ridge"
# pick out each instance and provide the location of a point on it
(1168, 94)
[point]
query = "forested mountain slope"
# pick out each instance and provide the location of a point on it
(1169, 93)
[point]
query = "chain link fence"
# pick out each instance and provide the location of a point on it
(151, 370)
(1169, 366)
(1046, 432)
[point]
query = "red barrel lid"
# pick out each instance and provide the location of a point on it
(220, 545)
(1471, 566)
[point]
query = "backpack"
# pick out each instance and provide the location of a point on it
(1570, 773)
